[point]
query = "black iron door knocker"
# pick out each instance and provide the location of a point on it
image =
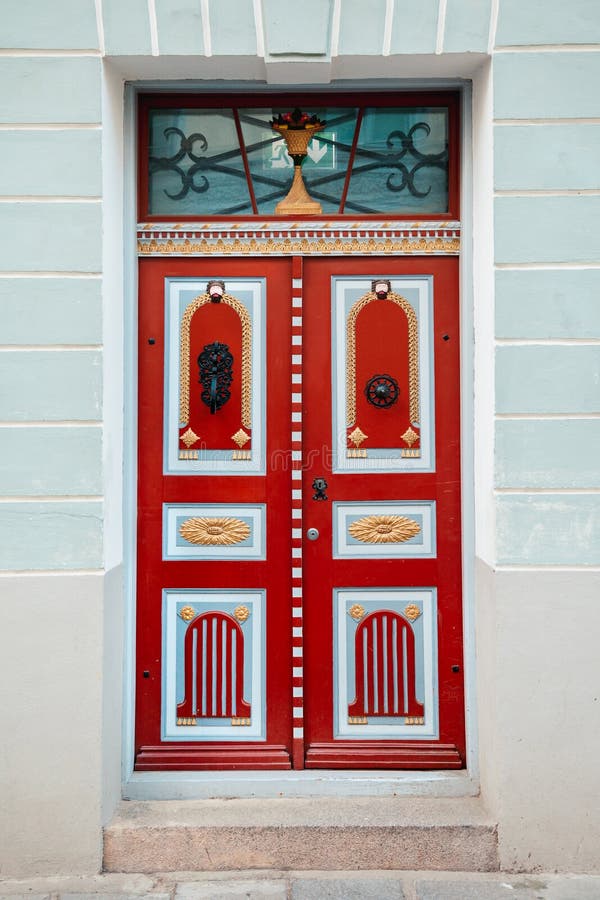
(319, 487)
(215, 364)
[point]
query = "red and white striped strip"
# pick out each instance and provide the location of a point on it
(296, 488)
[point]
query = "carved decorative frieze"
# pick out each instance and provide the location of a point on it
(318, 238)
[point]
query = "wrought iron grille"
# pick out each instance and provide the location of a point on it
(228, 161)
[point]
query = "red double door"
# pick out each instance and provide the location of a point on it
(299, 534)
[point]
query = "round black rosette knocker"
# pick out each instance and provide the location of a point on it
(382, 391)
(215, 364)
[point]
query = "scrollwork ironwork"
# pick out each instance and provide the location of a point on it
(215, 363)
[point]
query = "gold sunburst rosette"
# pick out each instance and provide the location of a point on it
(384, 529)
(214, 531)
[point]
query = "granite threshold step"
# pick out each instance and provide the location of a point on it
(332, 833)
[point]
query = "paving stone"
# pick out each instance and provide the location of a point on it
(502, 889)
(351, 888)
(232, 890)
(23, 896)
(98, 895)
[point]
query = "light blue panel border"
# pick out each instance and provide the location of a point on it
(421, 546)
(232, 26)
(467, 26)
(60, 25)
(47, 385)
(51, 535)
(551, 303)
(51, 310)
(548, 529)
(174, 629)
(179, 24)
(345, 291)
(414, 27)
(51, 237)
(176, 547)
(559, 85)
(548, 453)
(126, 27)
(547, 157)
(359, 33)
(548, 379)
(297, 28)
(547, 229)
(57, 163)
(426, 666)
(46, 460)
(50, 89)
(547, 22)
(179, 292)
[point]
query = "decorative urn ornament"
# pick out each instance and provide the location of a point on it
(297, 129)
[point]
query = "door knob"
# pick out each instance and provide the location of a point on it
(312, 534)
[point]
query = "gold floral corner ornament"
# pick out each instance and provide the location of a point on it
(384, 529)
(189, 437)
(214, 531)
(410, 436)
(241, 438)
(356, 611)
(241, 613)
(187, 613)
(357, 436)
(412, 612)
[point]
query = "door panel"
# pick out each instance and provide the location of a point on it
(244, 625)
(382, 583)
(214, 675)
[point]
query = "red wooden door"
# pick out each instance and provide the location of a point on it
(382, 580)
(276, 626)
(213, 575)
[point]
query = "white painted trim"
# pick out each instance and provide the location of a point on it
(441, 26)
(260, 28)
(575, 120)
(48, 198)
(335, 27)
(206, 35)
(51, 126)
(66, 423)
(18, 53)
(387, 27)
(186, 785)
(527, 492)
(153, 23)
(50, 573)
(100, 27)
(546, 416)
(548, 568)
(51, 498)
(546, 266)
(546, 48)
(547, 342)
(53, 274)
(493, 26)
(48, 348)
(563, 192)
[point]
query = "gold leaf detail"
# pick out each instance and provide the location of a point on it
(240, 438)
(241, 613)
(410, 436)
(412, 612)
(357, 436)
(214, 531)
(413, 353)
(189, 437)
(356, 611)
(187, 613)
(384, 529)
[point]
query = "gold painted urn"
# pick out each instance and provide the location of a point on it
(297, 129)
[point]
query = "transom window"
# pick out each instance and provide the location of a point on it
(218, 156)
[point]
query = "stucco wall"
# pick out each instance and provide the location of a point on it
(537, 336)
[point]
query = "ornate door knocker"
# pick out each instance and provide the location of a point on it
(319, 487)
(382, 391)
(215, 363)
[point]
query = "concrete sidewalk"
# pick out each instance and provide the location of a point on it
(269, 885)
